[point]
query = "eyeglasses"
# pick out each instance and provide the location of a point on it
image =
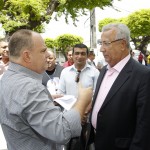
(106, 44)
(77, 76)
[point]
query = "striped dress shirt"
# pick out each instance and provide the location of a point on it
(28, 117)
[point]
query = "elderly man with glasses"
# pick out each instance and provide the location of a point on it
(120, 113)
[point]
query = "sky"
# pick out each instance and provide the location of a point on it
(125, 7)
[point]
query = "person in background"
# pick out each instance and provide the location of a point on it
(53, 70)
(90, 59)
(28, 116)
(82, 72)
(69, 61)
(121, 103)
(4, 61)
(148, 60)
(79, 71)
(140, 58)
(3, 46)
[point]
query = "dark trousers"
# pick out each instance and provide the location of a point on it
(78, 143)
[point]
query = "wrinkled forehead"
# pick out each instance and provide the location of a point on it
(111, 33)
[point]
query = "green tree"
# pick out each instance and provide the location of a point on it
(1, 4)
(105, 21)
(66, 41)
(50, 43)
(31, 14)
(139, 24)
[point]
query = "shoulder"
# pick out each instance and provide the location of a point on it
(92, 71)
(65, 64)
(138, 68)
(59, 67)
(92, 68)
(66, 70)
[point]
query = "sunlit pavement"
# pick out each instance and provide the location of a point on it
(2, 140)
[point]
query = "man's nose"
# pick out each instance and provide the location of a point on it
(6, 48)
(102, 49)
(5, 52)
(48, 60)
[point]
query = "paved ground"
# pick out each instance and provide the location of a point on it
(2, 140)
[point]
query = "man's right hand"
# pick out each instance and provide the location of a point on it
(84, 99)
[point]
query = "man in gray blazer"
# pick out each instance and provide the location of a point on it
(120, 115)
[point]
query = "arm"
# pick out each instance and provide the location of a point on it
(141, 139)
(48, 120)
(84, 100)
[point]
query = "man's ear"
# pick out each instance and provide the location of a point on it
(123, 45)
(26, 56)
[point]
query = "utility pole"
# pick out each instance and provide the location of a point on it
(93, 43)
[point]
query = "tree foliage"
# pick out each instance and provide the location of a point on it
(50, 43)
(63, 42)
(31, 14)
(139, 25)
(1, 4)
(27, 14)
(106, 21)
(66, 41)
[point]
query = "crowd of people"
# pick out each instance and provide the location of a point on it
(111, 107)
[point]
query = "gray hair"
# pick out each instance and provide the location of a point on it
(20, 40)
(123, 31)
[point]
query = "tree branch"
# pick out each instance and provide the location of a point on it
(52, 7)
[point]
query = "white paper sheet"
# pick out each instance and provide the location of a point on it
(67, 101)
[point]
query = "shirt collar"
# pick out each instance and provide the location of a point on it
(18, 68)
(85, 67)
(119, 66)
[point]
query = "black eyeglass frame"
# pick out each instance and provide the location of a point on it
(108, 43)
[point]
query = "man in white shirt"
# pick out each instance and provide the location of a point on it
(85, 73)
(81, 72)
(91, 57)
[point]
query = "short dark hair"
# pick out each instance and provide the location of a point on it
(81, 45)
(91, 53)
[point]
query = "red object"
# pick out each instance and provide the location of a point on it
(140, 57)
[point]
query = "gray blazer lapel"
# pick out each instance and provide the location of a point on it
(119, 82)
